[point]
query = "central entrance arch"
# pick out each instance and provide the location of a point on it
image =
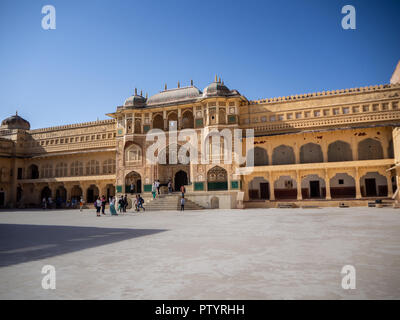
(181, 179)
(133, 182)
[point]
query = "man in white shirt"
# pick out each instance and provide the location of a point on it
(158, 186)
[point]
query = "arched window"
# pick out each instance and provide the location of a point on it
(76, 168)
(61, 169)
(47, 170)
(158, 122)
(92, 167)
(222, 116)
(138, 126)
(217, 179)
(311, 153)
(109, 166)
(339, 151)
(187, 120)
(260, 157)
(133, 154)
(283, 155)
(370, 149)
(172, 121)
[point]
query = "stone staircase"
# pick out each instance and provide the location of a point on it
(170, 202)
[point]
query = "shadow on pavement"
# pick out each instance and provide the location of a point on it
(23, 243)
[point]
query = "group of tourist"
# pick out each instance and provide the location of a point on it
(138, 203)
(47, 203)
(122, 203)
(100, 204)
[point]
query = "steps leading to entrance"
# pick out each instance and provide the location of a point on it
(170, 202)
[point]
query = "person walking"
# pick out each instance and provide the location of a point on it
(154, 189)
(112, 207)
(98, 206)
(81, 204)
(125, 202)
(183, 190)
(158, 186)
(169, 186)
(140, 203)
(136, 203)
(120, 204)
(44, 203)
(103, 205)
(182, 203)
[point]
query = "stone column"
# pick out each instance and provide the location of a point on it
(269, 149)
(178, 121)
(151, 120)
(84, 186)
(229, 178)
(53, 188)
(358, 188)
(327, 186)
(389, 184)
(325, 151)
(296, 153)
(398, 186)
(299, 194)
(68, 191)
(165, 120)
(245, 189)
(102, 189)
(271, 188)
(354, 148)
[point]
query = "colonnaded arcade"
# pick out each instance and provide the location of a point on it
(324, 147)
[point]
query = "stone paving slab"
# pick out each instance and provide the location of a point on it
(208, 254)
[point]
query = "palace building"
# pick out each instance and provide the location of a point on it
(318, 148)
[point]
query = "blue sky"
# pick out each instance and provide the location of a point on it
(101, 50)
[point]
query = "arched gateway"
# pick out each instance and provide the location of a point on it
(133, 182)
(181, 179)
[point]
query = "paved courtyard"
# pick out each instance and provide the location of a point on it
(210, 254)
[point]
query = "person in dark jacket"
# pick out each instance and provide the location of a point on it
(103, 204)
(125, 202)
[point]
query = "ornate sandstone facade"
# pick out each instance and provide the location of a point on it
(341, 145)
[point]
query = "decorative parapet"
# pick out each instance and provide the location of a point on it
(76, 147)
(326, 93)
(74, 126)
(327, 121)
(107, 177)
